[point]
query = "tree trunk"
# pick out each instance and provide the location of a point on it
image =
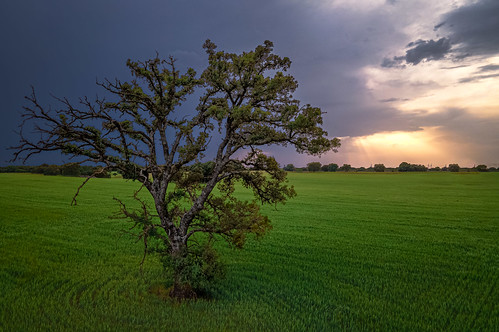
(181, 288)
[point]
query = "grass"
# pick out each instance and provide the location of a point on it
(398, 252)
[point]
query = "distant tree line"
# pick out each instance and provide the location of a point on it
(70, 169)
(203, 170)
(403, 167)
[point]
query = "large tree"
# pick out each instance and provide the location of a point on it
(146, 133)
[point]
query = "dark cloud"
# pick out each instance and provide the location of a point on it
(391, 100)
(395, 62)
(421, 50)
(474, 29)
(428, 50)
(489, 68)
(477, 78)
(61, 47)
(438, 26)
(470, 30)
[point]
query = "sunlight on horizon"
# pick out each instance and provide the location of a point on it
(426, 147)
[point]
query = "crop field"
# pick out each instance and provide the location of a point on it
(364, 251)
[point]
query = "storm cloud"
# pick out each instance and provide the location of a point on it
(61, 47)
(471, 30)
(421, 50)
(474, 29)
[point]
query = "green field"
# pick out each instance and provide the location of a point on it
(415, 252)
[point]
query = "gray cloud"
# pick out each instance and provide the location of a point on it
(489, 68)
(436, 27)
(391, 100)
(470, 30)
(479, 74)
(61, 47)
(477, 78)
(421, 50)
(428, 50)
(475, 28)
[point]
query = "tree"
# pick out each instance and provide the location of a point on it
(345, 167)
(453, 168)
(481, 168)
(71, 169)
(406, 167)
(379, 167)
(332, 167)
(289, 168)
(144, 133)
(314, 166)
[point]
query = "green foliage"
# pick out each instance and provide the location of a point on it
(332, 167)
(481, 168)
(72, 169)
(314, 166)
(203, 170)
(406, 167)
(199, 268)
(379, 168)
(453, 168)
(52, 170)
(289, 168)
(345, 168)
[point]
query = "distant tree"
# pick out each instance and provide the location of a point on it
(314, 166)
(492, 169)
(379, 167)
(17, 169)
(406, 167)
(87, 170)
(332, 167)
(289, 168)
(453, 168)
(72, 169)
(345, 168)
(481, 168)
(203, 170)
(52, 170)
(246, 102)
(325, 168)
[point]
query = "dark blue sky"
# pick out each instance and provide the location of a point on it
(371, 65)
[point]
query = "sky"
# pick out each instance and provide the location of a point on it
(398, 80)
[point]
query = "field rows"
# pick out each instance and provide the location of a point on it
(413, 252)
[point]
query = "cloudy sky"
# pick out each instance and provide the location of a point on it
(400, 80)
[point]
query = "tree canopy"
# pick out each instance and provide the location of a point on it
(345, 167)
(245, 104)
(314, 166)
(406, 167)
